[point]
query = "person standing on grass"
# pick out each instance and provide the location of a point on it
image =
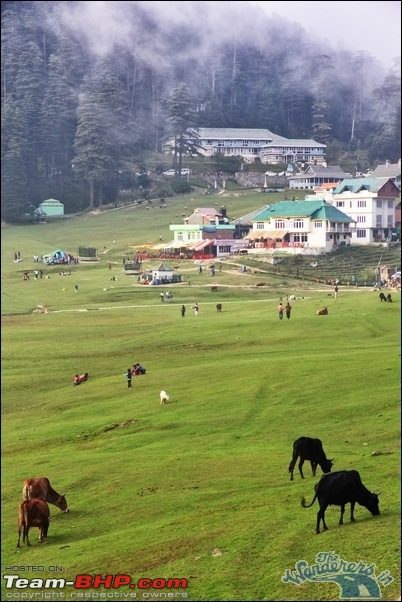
(336, 291)
(76, 288)
(183, 311)
(288, 309)
(280, 311)
(129, 377)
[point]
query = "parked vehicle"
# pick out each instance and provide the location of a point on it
(184, 172)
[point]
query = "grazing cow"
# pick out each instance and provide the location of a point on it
(382, 297)
(292, 298)
(219, 307)
(33, 513)
(322, 312)
(214, 289)
(340, 488)
(389, 298)
(40, 487)
(309, 449)
(164, 397)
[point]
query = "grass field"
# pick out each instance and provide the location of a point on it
(197, 489)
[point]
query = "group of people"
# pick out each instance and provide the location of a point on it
(169, 296)
(195, 307)
(136, 370)
(80, 378)
(287, 309)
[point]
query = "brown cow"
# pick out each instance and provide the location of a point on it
(219, 307)
(33, 513)
(322, 312)
(214, 289)
(40, 487)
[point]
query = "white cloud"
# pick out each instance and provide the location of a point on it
(374, 27)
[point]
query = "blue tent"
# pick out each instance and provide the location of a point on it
(58, 256)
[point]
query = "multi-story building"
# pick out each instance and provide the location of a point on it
(259, 144)
(372, 203)
(294, 227)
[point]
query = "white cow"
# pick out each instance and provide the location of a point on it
(164, 397)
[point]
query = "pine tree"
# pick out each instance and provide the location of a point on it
(183, 125)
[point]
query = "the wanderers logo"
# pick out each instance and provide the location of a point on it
(356, 580)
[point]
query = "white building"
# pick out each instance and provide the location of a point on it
(371, 202)
(254, 144)
(309, 227)
(316, 175)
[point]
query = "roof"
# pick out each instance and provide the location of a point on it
(313, 209)
(201, 244)
(257, 234)
(51, 201)
(326, 186)
(163, 267)
(334, 171)
(297, 142)
(249, 217)
(238, 133)
(390, 170)
(356, 184)
(207, 211)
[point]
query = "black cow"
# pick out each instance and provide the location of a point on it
(219, 307)
(382, 297)
(312, 450)
(340, 488)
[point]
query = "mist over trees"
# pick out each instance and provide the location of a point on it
(87, 87)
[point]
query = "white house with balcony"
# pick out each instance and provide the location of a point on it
(254, 144)
(371, 202)
(317, 175)
(295, 227)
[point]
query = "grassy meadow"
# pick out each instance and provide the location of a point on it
(199, 488)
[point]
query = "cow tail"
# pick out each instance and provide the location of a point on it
(24, 523)
(303, 501)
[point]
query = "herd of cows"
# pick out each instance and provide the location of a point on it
(337, 488)
(333, 489)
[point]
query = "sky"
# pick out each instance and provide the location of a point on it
(371, 26)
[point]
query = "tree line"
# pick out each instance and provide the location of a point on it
(74, 118)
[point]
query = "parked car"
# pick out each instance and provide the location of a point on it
(143, 173)
(184, 172)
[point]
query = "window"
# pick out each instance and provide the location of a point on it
(298, 223)
(378, 221)
(361, 219)
(340, 203)
(390, 204)
(260, 225)
(361, 203)
(300, 237)
(390, 221)
(379, 204)
(318, 224)
(360, 233)
(279, 224)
